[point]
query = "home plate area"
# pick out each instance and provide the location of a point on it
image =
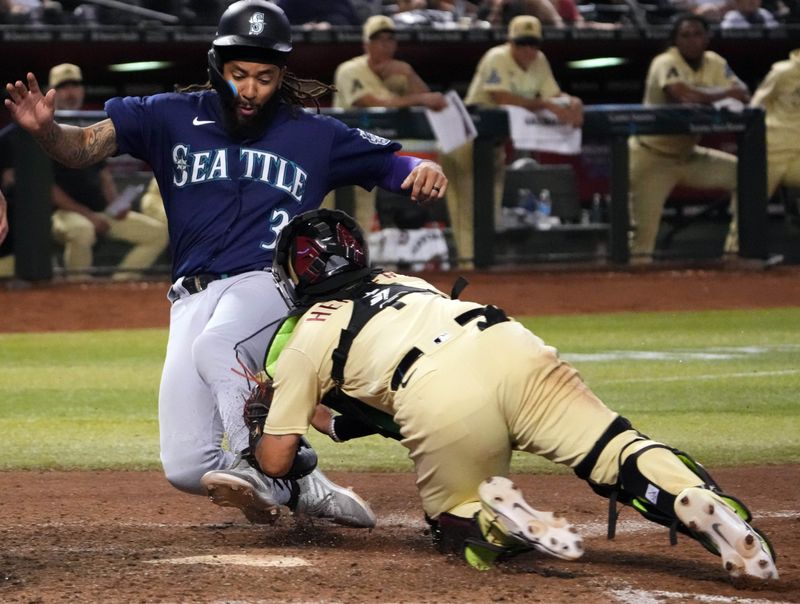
(129, 537)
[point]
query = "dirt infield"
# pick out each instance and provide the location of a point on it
(119, 536)
(106, 305)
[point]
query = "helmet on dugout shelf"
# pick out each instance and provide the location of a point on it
(249, 30)
(318, 255)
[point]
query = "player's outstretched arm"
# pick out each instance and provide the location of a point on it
(70, 145)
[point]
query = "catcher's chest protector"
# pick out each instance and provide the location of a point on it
(375, 298)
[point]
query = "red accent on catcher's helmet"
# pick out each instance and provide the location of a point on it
(318, 253)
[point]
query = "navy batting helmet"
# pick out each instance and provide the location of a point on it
(319, 254)
(249, 30)
(255, 24)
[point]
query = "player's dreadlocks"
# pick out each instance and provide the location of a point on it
(299, 91)
(295, 91)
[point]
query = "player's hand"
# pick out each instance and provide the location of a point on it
(739, 93)
(434, 101)
(31, 109)
(3, 218)
(427, 183)
(576, 112)
(100, 224)
(570, 114)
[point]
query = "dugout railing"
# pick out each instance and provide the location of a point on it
(611, 124)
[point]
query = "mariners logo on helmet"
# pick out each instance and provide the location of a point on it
(256, 24)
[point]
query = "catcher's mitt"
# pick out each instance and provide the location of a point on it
(256, 409)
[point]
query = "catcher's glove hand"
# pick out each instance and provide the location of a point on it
(256, 409)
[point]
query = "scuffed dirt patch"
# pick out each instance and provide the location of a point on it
(107, 537)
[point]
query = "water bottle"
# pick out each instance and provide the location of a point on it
(597, 208)
(526, 200)
(544, 205)
(515, 216)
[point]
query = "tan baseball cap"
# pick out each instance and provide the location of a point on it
(64, 74)
(525, 28)
(376, 24)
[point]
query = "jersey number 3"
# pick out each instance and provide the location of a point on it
(277, 220)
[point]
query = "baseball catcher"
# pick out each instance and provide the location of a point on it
(463, 385)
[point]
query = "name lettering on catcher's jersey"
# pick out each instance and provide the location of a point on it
(193, 167)
(322, 311)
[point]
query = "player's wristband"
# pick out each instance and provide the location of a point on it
(332, 431)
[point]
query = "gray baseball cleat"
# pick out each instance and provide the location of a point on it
(242, 486)
(714, 522)
(506, 519)
(316, 496)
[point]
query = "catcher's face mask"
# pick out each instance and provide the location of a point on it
(319, 253)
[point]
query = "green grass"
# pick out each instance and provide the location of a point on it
(80, 400)
(722, 385)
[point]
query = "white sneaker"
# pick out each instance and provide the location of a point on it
(318, 497)
(242, 486)
(742, 549)
(511, 518)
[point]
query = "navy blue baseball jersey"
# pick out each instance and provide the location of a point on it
(226, 201)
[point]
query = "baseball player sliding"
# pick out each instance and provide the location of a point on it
(466, 385)
(235, 161)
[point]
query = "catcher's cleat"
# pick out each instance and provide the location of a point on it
(713, 522)
(481, 555)
(507, 519)
(243, 487)
(316, 496)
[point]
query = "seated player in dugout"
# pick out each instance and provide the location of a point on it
(84, 202)
(515, 73)
(401, 358)
(687, 73)
(378, 79)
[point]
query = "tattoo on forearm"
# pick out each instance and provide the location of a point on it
(101, 141)
(79, 147)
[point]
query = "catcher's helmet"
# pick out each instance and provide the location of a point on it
(252, 30)
(319, 254)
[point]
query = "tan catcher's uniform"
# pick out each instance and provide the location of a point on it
(779, 94)
(659, 163)
(472, 397)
